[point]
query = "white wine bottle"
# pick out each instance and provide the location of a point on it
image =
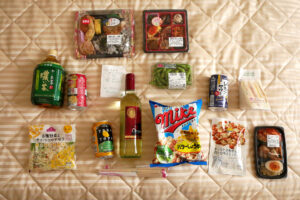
(130, 122)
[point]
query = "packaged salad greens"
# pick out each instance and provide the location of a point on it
(171, 76)
(52, 147)
(178, 134)
(104, 33)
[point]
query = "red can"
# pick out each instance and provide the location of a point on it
(77, 92)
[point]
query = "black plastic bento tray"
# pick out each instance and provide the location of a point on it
(167, 50)
(257, 143)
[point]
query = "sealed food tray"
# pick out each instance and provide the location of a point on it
(165, 31)
(104, 34)
(270, 152)
(172, 76)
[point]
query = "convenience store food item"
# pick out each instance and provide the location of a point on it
(252, 96)
(48, 82)
(165, 31)
(171, 76)
(103, 140)
(130, 121)
(178, 134)
(52, 147)
(270, 152)
(227, 148)
(104, 33)
(77, 92)
(218, 93)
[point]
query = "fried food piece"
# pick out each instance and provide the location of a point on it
(91, 31)
(87, 48)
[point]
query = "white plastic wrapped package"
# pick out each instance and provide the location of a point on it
(252, 96)
(227, 148)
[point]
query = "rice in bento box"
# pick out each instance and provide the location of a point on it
(227, 148)
(52, 147)
(178, 134)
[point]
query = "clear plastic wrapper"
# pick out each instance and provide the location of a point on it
(172, 76)
(227, 148)
(52, 147)
(104, 33)
(252, 96)
(178, 134)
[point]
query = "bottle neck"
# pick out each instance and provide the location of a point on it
(129, 91)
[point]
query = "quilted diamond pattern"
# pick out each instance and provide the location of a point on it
(224, 35)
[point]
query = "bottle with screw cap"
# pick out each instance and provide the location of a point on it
(48, 82)
(130, 121)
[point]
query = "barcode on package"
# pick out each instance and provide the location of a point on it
(211, 100)
(177, 80)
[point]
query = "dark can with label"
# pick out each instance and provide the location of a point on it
(218, 93)
(103, 140)
(77, 92)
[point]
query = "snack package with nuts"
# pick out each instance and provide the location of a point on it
(227, 148)
(52, 147)
(178, 134)
(172, 76)
(104, 33)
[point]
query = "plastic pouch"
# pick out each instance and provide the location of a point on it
(252, 96)
(52, 147)
(172, 76)
(178, 134)
(227, 148)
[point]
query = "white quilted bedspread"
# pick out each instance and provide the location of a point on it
(224, 35)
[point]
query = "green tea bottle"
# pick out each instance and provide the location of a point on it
(48, 82)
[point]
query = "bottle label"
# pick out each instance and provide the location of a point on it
(133, 122)
(104, 139)
(48, 81)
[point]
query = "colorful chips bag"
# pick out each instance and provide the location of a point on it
(178, 134)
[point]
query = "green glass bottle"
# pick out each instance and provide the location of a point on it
(48, 82)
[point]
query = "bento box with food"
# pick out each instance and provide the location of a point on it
(104, 33)
(165, 31)
(270, 152)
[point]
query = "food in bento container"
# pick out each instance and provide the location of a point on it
(104, 33)
(227, 148)
(52, 147)
(178, 134)
(171, 76)
(252, 96)
(270, 152)
(165, 31)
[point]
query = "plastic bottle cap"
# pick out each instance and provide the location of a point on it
(53, 52)
(130, 81)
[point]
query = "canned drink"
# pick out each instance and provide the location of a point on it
(103, 140)
(77, 92)
(218, 93)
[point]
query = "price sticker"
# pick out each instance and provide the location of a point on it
(177, 80)
(114, 39)
(175, 41)
(273, 141)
